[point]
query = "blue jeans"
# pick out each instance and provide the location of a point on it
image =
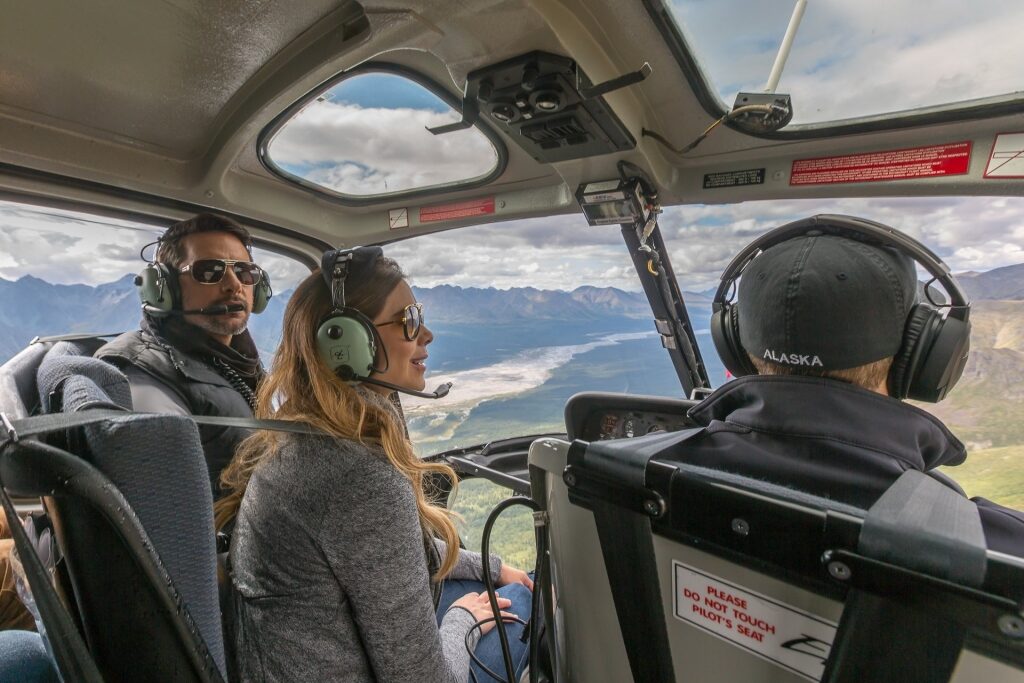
(488, 650)
(24, 659)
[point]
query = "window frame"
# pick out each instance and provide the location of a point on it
(267, 134)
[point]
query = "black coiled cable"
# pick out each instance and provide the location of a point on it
(232, 376)
(493, 596)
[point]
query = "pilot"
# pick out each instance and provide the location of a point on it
(818, 322)
(193, 353)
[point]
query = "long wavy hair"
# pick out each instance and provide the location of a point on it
(301, 387)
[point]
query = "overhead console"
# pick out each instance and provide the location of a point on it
(598, 416)
(548, 106)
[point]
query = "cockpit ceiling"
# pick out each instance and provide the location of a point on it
(157, 74)
(159, 107)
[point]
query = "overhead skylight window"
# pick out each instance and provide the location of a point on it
(368, 136)
(857, 58)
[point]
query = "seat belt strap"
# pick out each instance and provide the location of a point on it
(924, 526)
(41, 424)
(75, 336)
(74, 661)
(628, 549)
(627, 544)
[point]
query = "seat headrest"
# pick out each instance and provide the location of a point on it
(76, 381)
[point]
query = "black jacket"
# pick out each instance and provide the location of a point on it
(830, 439)
(190, 382)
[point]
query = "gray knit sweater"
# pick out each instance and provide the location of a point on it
(331, 575)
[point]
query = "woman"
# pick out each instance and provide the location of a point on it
(337, 550)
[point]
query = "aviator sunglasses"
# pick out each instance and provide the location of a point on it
(210, 271)
(411, 320)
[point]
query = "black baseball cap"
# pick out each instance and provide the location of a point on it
(825, 301)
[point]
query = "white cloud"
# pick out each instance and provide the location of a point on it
(65, 247)
(560, 252)
(970, 233)
(357, 150)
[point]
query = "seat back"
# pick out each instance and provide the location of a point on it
(135, 524)
(19, 394)
(739, 596)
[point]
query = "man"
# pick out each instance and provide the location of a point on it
(193, 354)
(820, 318)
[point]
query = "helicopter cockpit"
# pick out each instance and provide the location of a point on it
(565, 183)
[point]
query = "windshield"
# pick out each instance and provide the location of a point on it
(855, 58)
(980, 238)
(526, 314)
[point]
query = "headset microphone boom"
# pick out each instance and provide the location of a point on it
(221, 309)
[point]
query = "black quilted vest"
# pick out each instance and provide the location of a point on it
(196, 382)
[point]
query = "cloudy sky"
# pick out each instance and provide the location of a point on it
(850, 58)
(860, 57)
(368, 135)
(563, 252)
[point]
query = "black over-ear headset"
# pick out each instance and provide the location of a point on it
(347, 339)
(935, 346)
(160, 293)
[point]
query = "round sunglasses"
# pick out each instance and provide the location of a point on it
(411, 320)
(210, 271)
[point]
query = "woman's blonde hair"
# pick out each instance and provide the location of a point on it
(306, 390)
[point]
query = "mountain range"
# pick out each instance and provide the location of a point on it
(1006, 283)
(30, 306)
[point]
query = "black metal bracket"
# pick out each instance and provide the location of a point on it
(632, 78)
(470, 112)
(467, 466)
(586, 484)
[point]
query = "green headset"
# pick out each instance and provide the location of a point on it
(160, 293)
(347, 339)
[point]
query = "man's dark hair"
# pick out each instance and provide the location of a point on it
(170, 250)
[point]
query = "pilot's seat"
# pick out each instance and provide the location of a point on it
(721, 578)
(133, 514)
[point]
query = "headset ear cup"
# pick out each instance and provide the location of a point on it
(725, 333)
(347, 344)
(157, 288)
(262, 293)
(917, 337)
(942, 361)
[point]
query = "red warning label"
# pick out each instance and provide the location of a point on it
(447, 212)
(915, 162)
(784, 635)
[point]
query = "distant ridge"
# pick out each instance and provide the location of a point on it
(1002, 284)
(30, 306)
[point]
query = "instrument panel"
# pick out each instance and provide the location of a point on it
(619, 424)
(599, 416)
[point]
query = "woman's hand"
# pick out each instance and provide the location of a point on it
(479, 606)
(512, 575)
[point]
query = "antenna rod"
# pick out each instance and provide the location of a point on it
(787, 44)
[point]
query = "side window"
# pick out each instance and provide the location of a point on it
(285, 274)
(368, 136)
(512, 536)
(63, 271)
